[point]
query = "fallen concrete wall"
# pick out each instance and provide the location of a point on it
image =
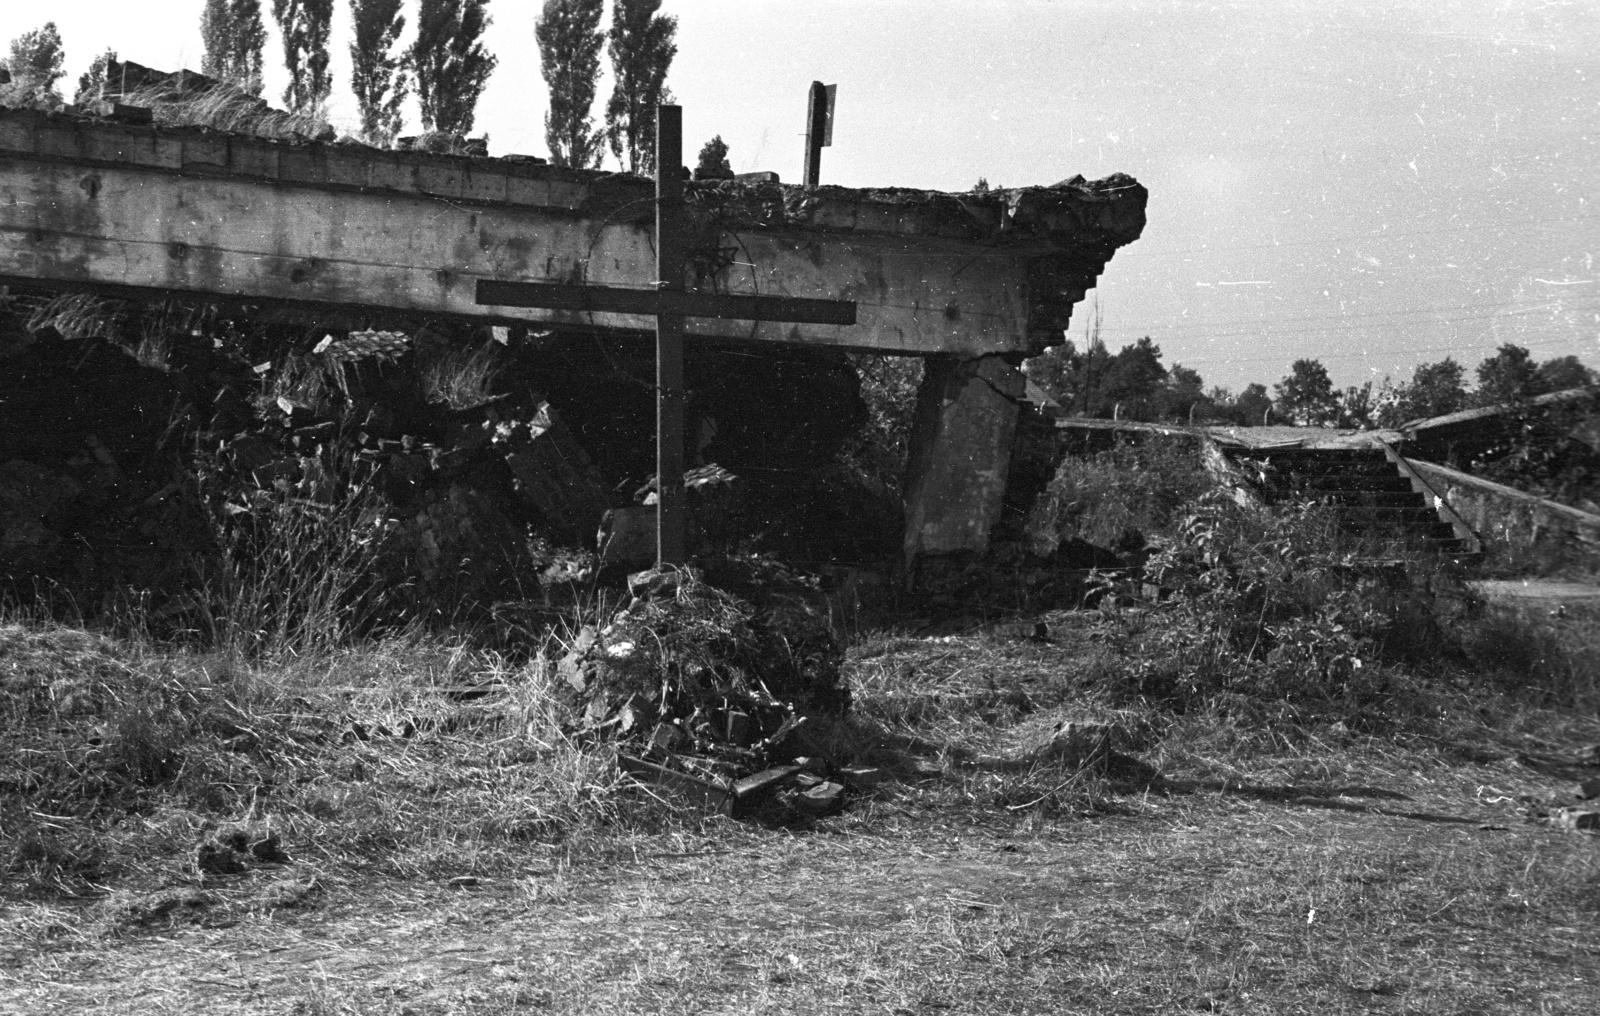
(97, 204)
(1519, 532)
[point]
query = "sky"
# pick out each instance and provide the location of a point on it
(1371, 184)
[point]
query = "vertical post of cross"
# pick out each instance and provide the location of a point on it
(671, 545)
(818, 133)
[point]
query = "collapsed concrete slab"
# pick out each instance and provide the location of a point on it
(975, 281)
(94, 203)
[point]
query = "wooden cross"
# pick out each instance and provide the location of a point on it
(669, 303)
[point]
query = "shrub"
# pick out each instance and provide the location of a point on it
(1283, 614)
(1135, 487)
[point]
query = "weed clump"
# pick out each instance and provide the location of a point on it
(730, 658)
(1117, 497)
(1279, 616)
(1284, 617)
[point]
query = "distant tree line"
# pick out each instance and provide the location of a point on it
(446, 67)
(1134, 384)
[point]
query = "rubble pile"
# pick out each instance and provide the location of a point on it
(134, 437)
(708, 679)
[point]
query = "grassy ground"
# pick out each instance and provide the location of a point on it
(452, 852)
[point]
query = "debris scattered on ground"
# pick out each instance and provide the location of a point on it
(1574, 820)
(706, 676)
(232, 853)
(218, 859)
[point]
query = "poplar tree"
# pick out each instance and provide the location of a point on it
(304, 25)
(35, 66)
(641, 50)
(377, 72)
(451, 65)
(233, 37)
(569, 37)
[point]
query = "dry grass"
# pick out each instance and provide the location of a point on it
(226, 108)
(409, 758)
(485, 863)
(463, 377)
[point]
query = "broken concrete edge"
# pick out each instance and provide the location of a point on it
(1107, 213)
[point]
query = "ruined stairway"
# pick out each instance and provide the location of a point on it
(1368, 493)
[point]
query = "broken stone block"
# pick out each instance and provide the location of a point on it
(862, 777)
(825, 797)
(218, 859)
(553, 473)
(664, 740)
(1575, 820)
(765, 780)
(628, 535)
(659, 583)
(739, 729)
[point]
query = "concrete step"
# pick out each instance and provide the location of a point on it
(1390, 481)
(1356, 498)
(1366, 492)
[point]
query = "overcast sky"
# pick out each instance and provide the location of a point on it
(1373, 184)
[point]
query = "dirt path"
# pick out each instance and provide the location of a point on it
(1352, 899)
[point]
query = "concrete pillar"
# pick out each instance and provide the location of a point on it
(960, 454)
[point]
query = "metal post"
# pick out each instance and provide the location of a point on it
(670, 542)
(816, 131)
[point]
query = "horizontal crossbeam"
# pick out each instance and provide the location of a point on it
(603, 299)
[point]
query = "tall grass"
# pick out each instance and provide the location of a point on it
(298, 568)
(463, 377)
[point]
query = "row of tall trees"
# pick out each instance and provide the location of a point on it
(446, 66)
(446, 61)
(1307, 395)
(641, 47)
(1134, 384)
